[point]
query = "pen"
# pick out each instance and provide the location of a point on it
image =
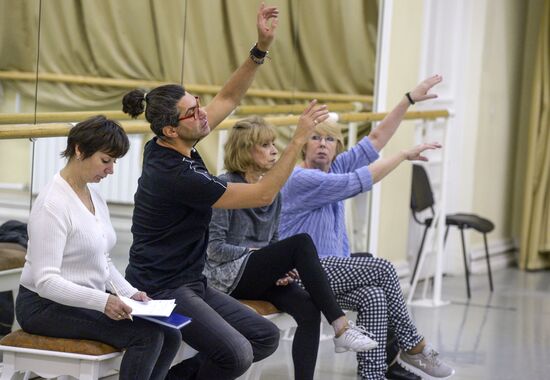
(118, 295)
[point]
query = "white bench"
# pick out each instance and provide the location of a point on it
(9, 280)
(47, 357)
(282, 320)
(12, 259)
(88, 360)
(59, 358)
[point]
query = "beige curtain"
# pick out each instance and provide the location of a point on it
(322, 45)
(533, 155)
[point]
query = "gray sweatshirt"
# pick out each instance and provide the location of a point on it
(232, 233)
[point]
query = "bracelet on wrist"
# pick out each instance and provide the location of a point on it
(256, 52)
(256, 60)
(408, 95)
(257, 55)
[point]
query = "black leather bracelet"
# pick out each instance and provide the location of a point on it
(408, 95)
(257, 52)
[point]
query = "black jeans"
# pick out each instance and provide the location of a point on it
(150, 347)
(228, 335)
(6, 312)
(265, 266)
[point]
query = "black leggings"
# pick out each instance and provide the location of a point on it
(265, 266)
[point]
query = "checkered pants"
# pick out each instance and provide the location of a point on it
(370, 286)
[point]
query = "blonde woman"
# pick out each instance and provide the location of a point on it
(246, 259)
(313, 203)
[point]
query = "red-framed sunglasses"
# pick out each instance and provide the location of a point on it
(194, 111)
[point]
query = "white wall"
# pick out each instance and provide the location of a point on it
(403, 57)
(476, 46)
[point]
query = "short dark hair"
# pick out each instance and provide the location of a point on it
(97, 134)
(160, 105)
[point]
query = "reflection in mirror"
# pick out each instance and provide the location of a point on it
(336, 46)
(214, 50)
(321, 46)
(91, 53)
(330, 49)
(19, 28)
(19, 31)
(110, 42)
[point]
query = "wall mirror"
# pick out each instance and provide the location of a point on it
(63, 60)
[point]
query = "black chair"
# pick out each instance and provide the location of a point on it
(422, 199)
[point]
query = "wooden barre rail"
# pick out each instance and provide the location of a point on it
(54, 117)
(196, 88)
(20, 131)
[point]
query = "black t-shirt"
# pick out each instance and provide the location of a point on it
(173, 208)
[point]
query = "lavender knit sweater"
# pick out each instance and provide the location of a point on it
(313, 200)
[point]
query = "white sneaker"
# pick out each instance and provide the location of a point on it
(354, 339)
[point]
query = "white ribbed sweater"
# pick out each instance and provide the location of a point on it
(68, 252)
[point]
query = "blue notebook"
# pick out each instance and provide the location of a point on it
(174, 320)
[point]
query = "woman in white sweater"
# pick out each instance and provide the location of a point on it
(68, 270)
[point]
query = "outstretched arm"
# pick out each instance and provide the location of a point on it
(382, 167)
(235, 88)
(310, 189)
(262, 193)
(380, 135)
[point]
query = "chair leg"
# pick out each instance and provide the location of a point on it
(466, 271)
(446, 234)
(488, 262)
(419, 253)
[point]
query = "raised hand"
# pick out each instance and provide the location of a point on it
(420, 92)
(311, 116)
(415, 154)
(116, 309)
(266, 22)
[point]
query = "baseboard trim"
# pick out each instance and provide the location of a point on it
(501, 254)
(496, 247)
(14, 186)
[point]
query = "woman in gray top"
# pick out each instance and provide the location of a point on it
(242, 261)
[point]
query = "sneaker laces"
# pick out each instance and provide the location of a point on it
(358, 330)
(432, 357)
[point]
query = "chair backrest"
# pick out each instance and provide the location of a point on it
(421, 192)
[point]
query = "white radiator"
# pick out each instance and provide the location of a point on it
(119, 187)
